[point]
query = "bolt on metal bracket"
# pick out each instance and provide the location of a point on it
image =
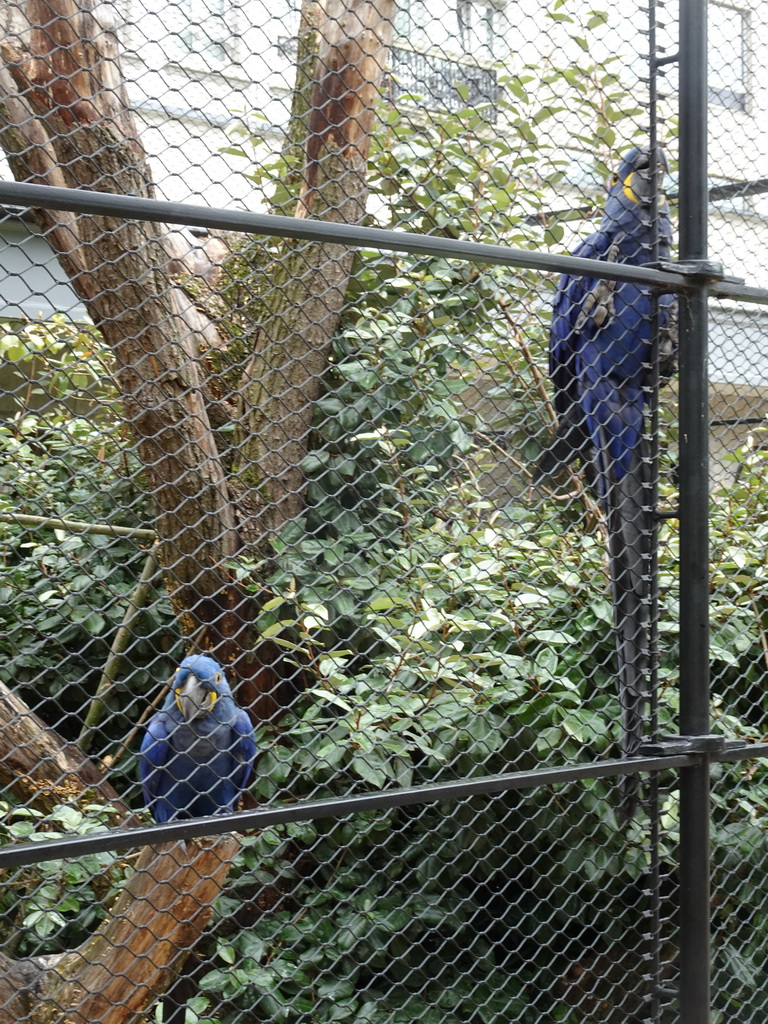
(666, 513)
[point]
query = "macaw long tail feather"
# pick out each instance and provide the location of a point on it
(628, 523)
(571, 441)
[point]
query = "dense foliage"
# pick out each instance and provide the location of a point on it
(63, 593)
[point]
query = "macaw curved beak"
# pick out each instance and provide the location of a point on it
(193, 699)
(637, 186)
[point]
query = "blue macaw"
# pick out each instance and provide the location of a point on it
(198, 751)
(600, 361)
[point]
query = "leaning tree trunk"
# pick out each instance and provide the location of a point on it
(121, 970)
(284, 379)
(65, 120)
(40, 768)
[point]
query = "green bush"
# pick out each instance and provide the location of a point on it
(63, 594)
(50, 907)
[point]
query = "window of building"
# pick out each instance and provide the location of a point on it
(461, 28)
(727, 57)
(203, 35)
(443, 84)
(444, 50)
(210, 29)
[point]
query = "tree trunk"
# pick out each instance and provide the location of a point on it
(284, 379)
(40, 768)
(116, 974)
(66, 121)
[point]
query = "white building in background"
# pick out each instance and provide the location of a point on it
(209, 77)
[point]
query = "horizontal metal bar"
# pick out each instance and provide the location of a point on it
(312, 810)
(738, 421)
(708, 743)
(709, 270)
(741, 292)
(659, 62)
(742, 752)
(738, 189)
(162, 211)
(75, 526)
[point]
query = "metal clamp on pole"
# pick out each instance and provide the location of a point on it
(710, 270)
(669, 746)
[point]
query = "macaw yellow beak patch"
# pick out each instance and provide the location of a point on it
(627, 188)
(630, 193)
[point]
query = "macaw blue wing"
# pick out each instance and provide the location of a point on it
(580, 306)
(244, 751)
(154, 756)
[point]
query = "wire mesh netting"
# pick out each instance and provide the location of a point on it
(287, 519)
(738, 910)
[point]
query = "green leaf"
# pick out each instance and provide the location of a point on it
(553, 636)
(227, 954)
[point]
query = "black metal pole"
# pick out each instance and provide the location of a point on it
(694, 515)
(654, 872)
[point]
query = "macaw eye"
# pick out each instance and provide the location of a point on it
(614, 178)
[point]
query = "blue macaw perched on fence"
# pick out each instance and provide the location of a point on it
(600, 360)
(198, 751)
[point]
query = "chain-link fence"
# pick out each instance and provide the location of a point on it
(357, 621)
